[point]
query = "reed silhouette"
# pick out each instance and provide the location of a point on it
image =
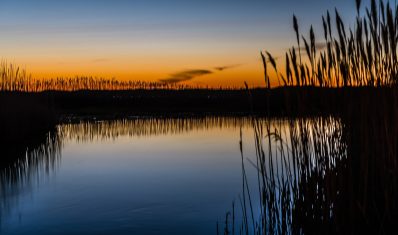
(330, 166)
(325, 175)
(17, 79)
(362, 55)
(29, 163)
(333, 173)
(89, 130)
(23, 120)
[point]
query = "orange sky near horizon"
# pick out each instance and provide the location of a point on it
(151, 68)
(155, 40)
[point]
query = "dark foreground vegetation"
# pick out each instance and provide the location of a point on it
(277, 102)
(334, 174)
(26, 117)
(329, 167)
(24, 123)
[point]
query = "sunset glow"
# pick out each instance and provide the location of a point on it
(152, 40)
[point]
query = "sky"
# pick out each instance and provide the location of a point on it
(207, 42)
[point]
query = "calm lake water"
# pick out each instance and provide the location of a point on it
(137, 176)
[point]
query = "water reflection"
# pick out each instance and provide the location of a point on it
(324, 175)
(39, 161)
(299, 165)
(113, 179)
(102, 130)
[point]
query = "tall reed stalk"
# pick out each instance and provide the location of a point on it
(334, 174)
(362, 55)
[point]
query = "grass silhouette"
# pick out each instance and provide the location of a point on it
(333, 172)
(362, 55)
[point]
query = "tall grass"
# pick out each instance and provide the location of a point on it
(325, 175)
(14, 78)
(362, 55)
(333, 175)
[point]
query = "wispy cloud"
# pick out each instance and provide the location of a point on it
(222, 68)
(186, 75)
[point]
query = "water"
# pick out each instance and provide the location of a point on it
(138, 176)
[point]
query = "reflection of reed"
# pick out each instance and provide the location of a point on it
(298, 174)
(38, 162)
(334, 176)
(302, 178)
(319, 155)
(326, 175)
(88, 131)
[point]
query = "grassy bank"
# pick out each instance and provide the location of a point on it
(26, 116)
(277, 102)
(24, 122)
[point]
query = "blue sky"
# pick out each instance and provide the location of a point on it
(51, 37)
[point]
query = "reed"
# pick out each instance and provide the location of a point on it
(87, 131)
(334, 174)
(362, 55)
(325, 175)
(16, 79)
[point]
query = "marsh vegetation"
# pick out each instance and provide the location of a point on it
(326, 139)
(331, 174)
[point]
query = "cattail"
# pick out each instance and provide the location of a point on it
(313, 46)
(391, 31)
(296, 29)
(329, 24)
(325, 28)
(267, 82)
(358, 4)
(293, 57)
(373, 9)
(320, 76)
(382, 12)
(273, 63)
(288, 76)
(272, 60)
(307, 48)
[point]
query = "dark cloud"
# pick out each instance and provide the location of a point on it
(186, 75)
(222, 68)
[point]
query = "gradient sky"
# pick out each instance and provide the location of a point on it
(151, 40)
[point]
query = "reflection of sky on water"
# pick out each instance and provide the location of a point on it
(170, 183)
